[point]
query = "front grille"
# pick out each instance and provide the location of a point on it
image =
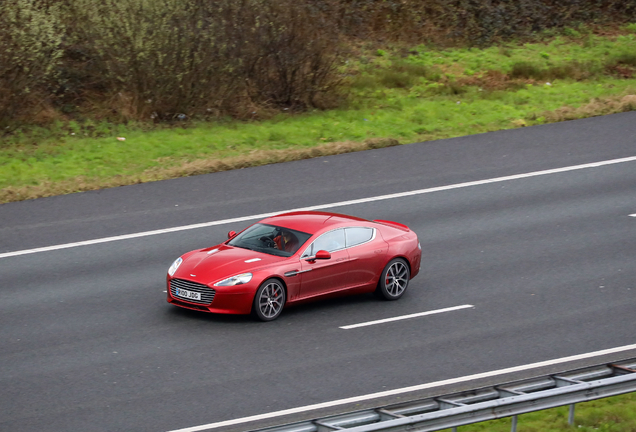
(207, 293)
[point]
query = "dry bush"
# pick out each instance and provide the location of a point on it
(167, 59)
(475, 22)
(30, 36)
(156, 58)
(293, 53)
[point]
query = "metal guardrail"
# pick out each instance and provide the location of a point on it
(489, 403)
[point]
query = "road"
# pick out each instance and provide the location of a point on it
(546, 262)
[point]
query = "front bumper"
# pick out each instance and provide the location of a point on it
(227, 300)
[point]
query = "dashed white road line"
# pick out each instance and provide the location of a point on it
(399, 391)
(404, 317)
(319, 207)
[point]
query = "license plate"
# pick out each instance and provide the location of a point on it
(188, 294)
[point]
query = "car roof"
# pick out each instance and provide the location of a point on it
(311, 222)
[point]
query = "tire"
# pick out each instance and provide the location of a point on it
(394, 280)
(269, 300)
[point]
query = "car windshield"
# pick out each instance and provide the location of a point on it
(270, 239)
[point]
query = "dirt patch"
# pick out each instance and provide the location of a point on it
(494, 80)
(622, 71)
(595, 107)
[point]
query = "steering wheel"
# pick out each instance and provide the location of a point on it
(268, 242)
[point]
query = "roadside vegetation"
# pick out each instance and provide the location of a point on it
(395, 95)
(105, 93)
(615, 414)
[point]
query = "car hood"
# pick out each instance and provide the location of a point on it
(212, 265)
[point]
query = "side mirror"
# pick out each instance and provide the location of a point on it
(231, 234)
(322, 254)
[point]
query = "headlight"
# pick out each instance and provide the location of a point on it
(235, 280)
(175, 265)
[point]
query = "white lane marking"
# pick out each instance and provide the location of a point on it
(405, 389)
(403, 317)
(318, 207)
(633, 215)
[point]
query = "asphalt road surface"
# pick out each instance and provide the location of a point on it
(547, 263)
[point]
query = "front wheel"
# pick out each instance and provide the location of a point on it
(269, 300)
(394, 279)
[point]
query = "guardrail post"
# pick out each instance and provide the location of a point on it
(571, 415)
(514, 424)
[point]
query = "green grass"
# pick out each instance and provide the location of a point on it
(615, 414)
(424, 95)
(593, 50)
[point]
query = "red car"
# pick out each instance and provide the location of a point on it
(294, 257)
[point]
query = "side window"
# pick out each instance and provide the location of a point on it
(356, 236)
(331, 241)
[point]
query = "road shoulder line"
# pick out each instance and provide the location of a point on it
(318, 207)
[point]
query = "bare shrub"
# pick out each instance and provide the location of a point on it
(30, 36)
(167, 59)
(289, 54)
(163, 60)
(158, 58)
(471, 21)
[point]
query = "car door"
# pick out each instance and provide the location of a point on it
(323, 276)
(367, 252)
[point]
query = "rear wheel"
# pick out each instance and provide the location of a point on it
(269, 300)
(394, 279)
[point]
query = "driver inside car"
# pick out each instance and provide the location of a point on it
(286, 241)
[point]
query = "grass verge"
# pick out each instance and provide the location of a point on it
(397, 96)
(614, 414)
